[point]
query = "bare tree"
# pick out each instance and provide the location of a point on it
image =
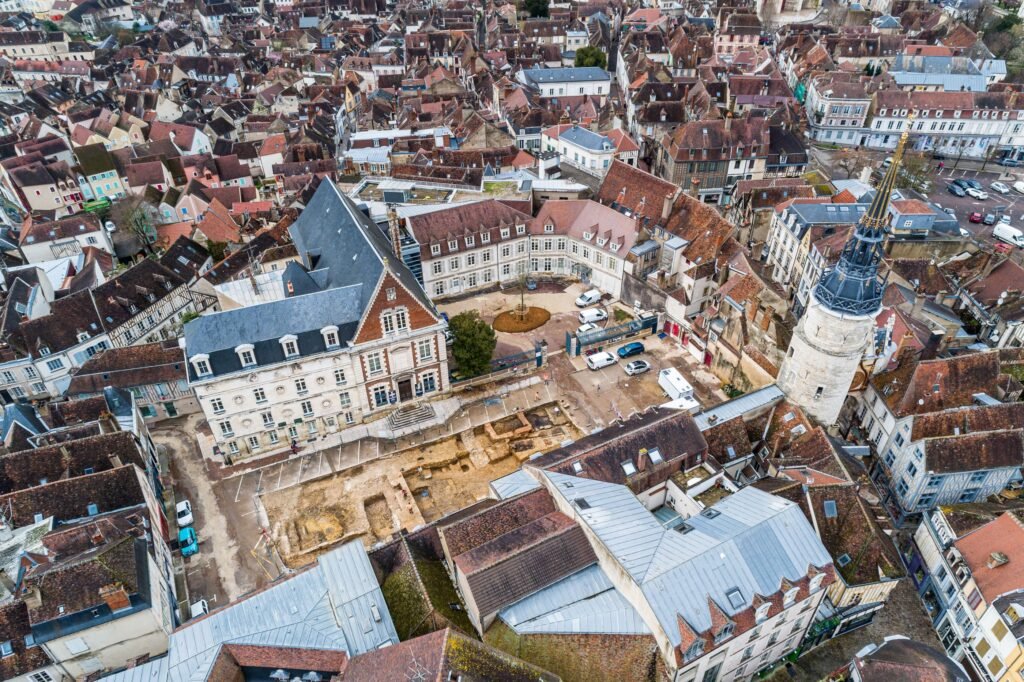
(851, 160)
(132, 215)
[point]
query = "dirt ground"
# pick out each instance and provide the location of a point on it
(407, 489)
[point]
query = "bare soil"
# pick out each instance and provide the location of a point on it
(513, 322)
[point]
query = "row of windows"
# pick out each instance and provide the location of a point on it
(470, 240)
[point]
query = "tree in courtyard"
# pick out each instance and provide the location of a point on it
(132, 214)
(474, 343)
(915, 169)
(851, 160)
(591, 56)
(537, 8)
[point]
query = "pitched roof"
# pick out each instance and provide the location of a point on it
(1005, 535)
(129, 367)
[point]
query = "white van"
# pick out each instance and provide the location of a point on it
(1008, 234)
(673, 383)
(599, 360)
(592, 315)
(588, 298)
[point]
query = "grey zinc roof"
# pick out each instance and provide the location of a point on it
(755, 541)
(566, 74)
(516, 483)
(584, 602)
(325, 607)
(737, 407)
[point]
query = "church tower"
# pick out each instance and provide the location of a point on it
(834, 332)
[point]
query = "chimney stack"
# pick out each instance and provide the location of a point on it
(115, 596)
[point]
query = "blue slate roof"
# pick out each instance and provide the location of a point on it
(573, 74)
(582, 137)
(344, 256)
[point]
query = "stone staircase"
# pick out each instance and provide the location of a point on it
(405, 417)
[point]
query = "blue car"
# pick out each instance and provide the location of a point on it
(631, 349)
(187, 541)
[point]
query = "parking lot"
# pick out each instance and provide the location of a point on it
(1011, 204)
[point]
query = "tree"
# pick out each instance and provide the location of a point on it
(915, 169)
(132, 214)
(591, 56)
(537, 8)
(850, 161)
(474, 343)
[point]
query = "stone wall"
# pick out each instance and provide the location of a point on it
(650, 296)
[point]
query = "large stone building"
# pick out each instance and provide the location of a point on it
(349, 333)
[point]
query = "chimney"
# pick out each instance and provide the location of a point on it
(115, 460)
(116, 596)
(643, 460)
(767, 319)
(728, 121)
(32, 598)
(997, 559)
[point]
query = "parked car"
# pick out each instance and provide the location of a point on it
(1012, 163)
(981, 195)
(887, 162)
(1019, 187)
(961, 183)
(637, 367)
(187, 541)
(591, 315)
(964, 233)
(975, 217)
(949, 211)
(586, 328)
(956, 190)
(1000, 187)
(631, 349)
(599, 360)
(1004, 219)
(971, 183)
(531, 284)
(989, 219)
(184, 513)
(588, 298)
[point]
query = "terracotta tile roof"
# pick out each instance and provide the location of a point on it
(128, 367)
(464, 535)
(919, 387)
(288, 658)
(218, 225)
(976, 451)
(1005, 535)
(627, 185)
(14, 628)
(442, 655)
(29, 468)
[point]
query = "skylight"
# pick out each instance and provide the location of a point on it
(655, 455)
(629, 467)
(736, 599)
(830, 509)
(710, 513)
(577, 467)
(843, 560)
(581, 503)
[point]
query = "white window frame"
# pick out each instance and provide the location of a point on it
(290, 345)
(330, 334)
(246, 354)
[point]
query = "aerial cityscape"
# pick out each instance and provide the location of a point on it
(460, 341)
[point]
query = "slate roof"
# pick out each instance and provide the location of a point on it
(539, 76)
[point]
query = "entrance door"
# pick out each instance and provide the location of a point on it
(405, 390)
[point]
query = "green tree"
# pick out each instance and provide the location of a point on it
(474, 343)
(537, 8)
(591, 56)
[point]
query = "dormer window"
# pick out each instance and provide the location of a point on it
(44, 350)
(615, 246)
(246, 354)
(435, 249)
(790, 597)
(881, 112)
(587, 236)
(485, 238)
(601, 241)
(330, 335)
(133, 309)
(504, 233)
(470, 241)
(201, 363)
(816, 582)
(520, 229)
(83, 336)
(549, 228)
(290, 344)
(694, 652)
(761, 614)
(724, 633)
(453, 245)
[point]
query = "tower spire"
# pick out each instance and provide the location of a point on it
(853, 286)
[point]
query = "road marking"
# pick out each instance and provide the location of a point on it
(241, 479)
(260, 481)
(252, 513)
(280, 471)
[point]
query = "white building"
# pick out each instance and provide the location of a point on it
(589, 151)
(561, 82)
(352, 335)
